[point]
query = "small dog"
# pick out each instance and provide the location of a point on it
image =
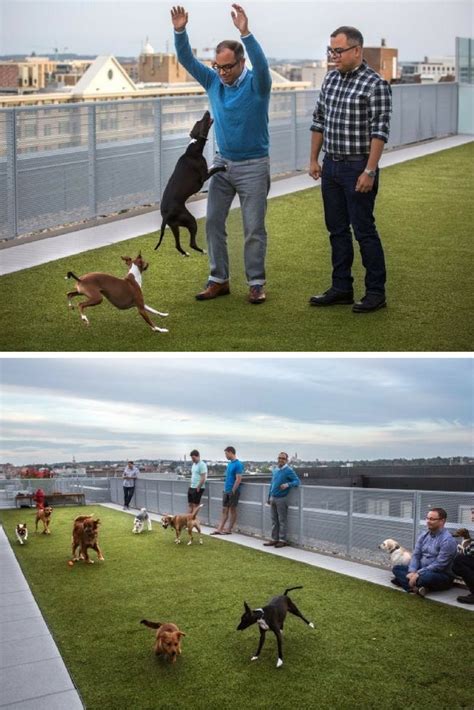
(21, 532)
(190, 174)
(398, 555)
(122, 293)
(271, 617)
(140, 520)
(44, 515)
(168, 639)
(85, 533)
(179, 522)
(466, 539)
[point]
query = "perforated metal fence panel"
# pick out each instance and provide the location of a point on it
(64, 164)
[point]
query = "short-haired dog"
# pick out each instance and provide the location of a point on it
(141, 519)
(21, 532)
(271, 617)
(44, 515)
(466, 541)
(179, 522)
(168, 639)
(398, 555)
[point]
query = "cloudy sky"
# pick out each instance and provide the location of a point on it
(285, 28)
(328, 408)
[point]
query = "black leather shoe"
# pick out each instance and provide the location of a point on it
(331, 297)
(369, 302)
(469, 599)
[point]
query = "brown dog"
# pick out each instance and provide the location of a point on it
(44, 514)
(168, 639)
(179, 522)
(466, 539)
(84, 536)
(122, 293)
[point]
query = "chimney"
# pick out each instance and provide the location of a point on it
(383, 43)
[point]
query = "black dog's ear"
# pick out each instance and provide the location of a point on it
(247, 608)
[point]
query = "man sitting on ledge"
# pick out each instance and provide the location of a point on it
(430, 568)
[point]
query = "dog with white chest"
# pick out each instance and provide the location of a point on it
(398, 555)
(141, 519)
(21, 532)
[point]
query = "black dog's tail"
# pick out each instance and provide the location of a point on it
(70, 275)
(162, 233)
(151, 624)
(290, 589)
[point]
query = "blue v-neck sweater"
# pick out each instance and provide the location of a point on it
(240, 111)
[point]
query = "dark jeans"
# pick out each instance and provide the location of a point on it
(128, 492)
(463, 566)
(437, 581)
(343, 208)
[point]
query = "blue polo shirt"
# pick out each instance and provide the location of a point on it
(234, 468)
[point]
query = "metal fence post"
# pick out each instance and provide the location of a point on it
(157, 149)
(301, 520)
(416, 515)
(264, 501)
(12, 192)
(92, 160)
(349, 522)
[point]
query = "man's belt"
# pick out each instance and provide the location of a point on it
(346, 157)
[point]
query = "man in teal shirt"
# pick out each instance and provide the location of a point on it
(198, 480)
(230, 499)
(283, 479)
(239, 98)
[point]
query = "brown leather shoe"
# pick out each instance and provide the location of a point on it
(280, 543)
(256, 294)
(213, 290)
(270, 543)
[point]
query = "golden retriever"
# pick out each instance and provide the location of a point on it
(168, 639)
(179, 522)
(44, 514)
(84, 536)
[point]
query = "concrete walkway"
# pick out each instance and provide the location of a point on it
(32, 673)
(19, 254)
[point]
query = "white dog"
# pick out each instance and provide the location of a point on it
(140, 520)
(21, 532)
(398, 555)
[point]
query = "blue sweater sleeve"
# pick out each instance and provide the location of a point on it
(292, 480)
(203, 74)
(261, 72)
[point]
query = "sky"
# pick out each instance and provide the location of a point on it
(327, 408)
(286, 29)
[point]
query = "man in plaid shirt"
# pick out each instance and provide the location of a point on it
(351, 123)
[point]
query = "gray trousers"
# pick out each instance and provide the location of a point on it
(250, 180)
(279, 512)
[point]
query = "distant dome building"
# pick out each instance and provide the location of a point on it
(148, 49)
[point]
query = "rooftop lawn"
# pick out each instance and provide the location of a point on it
(424, 215)
(372, 647)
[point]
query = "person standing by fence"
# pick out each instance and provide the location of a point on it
(198, 480)
(283, 479)
(129, 478)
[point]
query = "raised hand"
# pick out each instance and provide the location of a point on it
(240, 20)
(179, 18)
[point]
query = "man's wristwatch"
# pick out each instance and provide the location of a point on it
(370, 173)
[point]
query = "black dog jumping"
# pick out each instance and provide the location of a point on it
(190, 174)
(271, 617)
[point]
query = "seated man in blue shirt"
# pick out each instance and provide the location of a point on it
(283, 478)
(430, 568)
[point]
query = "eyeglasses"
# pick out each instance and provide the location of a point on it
(282, 458)
(432, 520)
(226, 68)
(338, 51)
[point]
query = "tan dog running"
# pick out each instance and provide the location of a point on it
(122, 293)
(44, 515)
(179, 522)
(168, 639)
(85, 533)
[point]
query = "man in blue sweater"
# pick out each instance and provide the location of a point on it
(431, 565)
(283, 478)
(239, 99)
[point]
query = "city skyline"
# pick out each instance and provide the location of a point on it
(323, 408)
(297, 29)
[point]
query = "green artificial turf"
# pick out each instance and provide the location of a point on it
(372, 647)
(424, 215)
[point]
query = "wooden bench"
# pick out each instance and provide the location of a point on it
(23, 498)
(51, 498)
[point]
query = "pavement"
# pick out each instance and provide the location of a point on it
(18, 254)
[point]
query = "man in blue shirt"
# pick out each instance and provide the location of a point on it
(239, 99)
(283, 479)
(430, 568)
(230, 499)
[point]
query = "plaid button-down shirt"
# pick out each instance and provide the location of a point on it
(352, 109)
